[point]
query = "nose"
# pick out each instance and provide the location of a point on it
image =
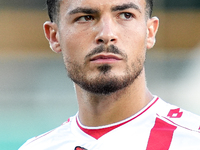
(106, 32)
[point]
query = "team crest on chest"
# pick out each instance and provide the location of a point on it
(79, 148)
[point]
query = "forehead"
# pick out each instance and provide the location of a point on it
(68, 5)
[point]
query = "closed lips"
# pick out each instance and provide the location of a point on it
(105, 57)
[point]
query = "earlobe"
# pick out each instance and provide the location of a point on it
(152, 28)
(51, 33)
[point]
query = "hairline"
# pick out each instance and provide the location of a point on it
(56, 16)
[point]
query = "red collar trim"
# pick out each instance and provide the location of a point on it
(97, 133)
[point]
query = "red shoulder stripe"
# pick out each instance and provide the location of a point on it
(161, 135)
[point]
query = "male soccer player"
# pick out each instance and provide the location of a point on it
(103, 43)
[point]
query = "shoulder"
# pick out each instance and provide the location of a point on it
(175, 126)
(178, 117)
(49, 138)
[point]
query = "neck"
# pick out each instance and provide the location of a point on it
(99, 110)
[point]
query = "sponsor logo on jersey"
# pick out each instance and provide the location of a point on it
(175, 113)
(79, 148)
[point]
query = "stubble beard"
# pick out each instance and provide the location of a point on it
(105, 82)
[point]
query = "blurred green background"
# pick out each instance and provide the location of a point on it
(35, 93)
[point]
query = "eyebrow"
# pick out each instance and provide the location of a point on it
(96, 11)
(83, 10)
(126, 6)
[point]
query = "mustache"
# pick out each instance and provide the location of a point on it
(110, 49)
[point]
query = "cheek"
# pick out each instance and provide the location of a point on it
(74, 47)
(135, 44)
(136, 35)
(135, 47)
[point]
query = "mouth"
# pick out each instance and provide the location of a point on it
(105, 58)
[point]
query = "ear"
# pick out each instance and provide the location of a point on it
(152, 28)
(52, 35)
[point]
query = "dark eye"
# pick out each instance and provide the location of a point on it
(85, 18)
(126, 16)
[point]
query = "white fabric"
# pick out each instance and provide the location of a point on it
(133, 135)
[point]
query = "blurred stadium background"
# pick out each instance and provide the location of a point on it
(35, 93)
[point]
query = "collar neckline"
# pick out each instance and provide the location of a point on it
(97, 132)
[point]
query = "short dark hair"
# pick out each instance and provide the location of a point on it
(149, 7)
(53, 7)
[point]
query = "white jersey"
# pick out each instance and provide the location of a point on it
(158, 126)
